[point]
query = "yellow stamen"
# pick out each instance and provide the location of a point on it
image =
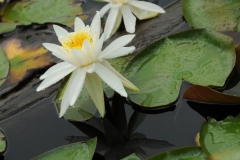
(76, 40)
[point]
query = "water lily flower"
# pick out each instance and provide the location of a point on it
(83, 57)
(126, 9)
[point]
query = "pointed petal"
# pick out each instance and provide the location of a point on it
(95, 28)
(94, 86)
(65, 100)
(60, 53)
(60, 32)
(126, 83)
(147, 6)
(87, 48)
(112, 16)
(116, 44)
(76, 82)
(81, 57)
(105, 9)
(118, 22)
(142, 14)
(129, 19)
(98, 46)
(111, 79)
(56, 68)
(120, 52)
(55, 77)
(78, 24)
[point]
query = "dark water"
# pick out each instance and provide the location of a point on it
(38, 129)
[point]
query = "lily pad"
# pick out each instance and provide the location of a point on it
(221, 140)
(3, 142)
(201, 57)
(72, 151)
(38, 11)
(219, 15)
(186, 153)
(84, 107)
(132, 157)
(4, 65)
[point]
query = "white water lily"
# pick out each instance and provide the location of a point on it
(83, 57)
(126, 9)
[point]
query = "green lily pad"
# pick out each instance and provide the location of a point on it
(38, 11)
(72, 151)
(221, 140)
(84, 108)
(3, 142)
(219, 15)
(186, 153)
(201, 57)
(4, 66)
(132, 157)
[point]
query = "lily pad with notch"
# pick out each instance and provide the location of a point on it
(3, 142)
(201, 57)
(219, 15)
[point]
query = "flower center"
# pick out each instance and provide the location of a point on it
(120, 1)
(76, 40)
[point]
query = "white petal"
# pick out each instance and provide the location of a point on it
(59, 52)
(142, 14)
(78, 25)
(87, 48)
(104, 9)
(120, 52)
(118, 22)
(129, 19)
(60, 32)
(81, 56)
(112, 17)
(90, 68)
(94, 86)
(110, 79)
(126, 83)
(76, 82)
(116, 44)
(56, 68)
(55, 77)
(95, 28)
(147, 6)
(65, 100)
(98, 46)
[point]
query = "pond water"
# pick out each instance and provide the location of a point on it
(38, 129)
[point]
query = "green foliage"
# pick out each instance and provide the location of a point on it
(78, 150)
(132, 157)
(219, 15)
(221, 140)
(4, 66)
(200, 57)
(3, 142)
(186, 153)
(38, 11)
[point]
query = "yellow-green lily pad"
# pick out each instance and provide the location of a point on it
(4, 66)
(76, 151)
(219, 15)
(3, 142)
(201, 57)
(38, 11)
(221, 140)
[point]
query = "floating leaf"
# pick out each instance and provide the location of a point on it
(201, 57)
(79, 151)
(4, 66)
(3, 142)
(38, 11)
(221, 140)
(132, 157)
(205, 94)
(219, 15)
(23, 58)
(190, 153)
(84, 107)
